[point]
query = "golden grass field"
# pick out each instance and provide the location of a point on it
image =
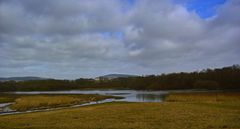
(177, 114)
(204, 97)
(5, 98)
(29, 102)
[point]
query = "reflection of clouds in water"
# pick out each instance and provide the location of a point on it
(129, 95)
(117, 93)
(4, 107)
(149, 97)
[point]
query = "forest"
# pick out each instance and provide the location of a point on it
(219, 78)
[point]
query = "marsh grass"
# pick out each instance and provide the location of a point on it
(30, 102)
(201, 111)
(204, 97)
(6, 98)
(167, 115)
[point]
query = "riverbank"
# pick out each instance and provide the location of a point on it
(204, 97)
(124, 115)
(46, 101)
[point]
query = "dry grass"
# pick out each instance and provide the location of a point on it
(49, 101)
(29, 102)
(166, 115)
(5, 98)
(203, 97)
(26, 103)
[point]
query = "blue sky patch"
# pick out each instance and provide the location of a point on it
(128, 4)
(204, 8)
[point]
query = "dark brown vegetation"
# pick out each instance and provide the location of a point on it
(224, 78)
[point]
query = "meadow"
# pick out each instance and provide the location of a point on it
(6, 98)
(177, 112)
(31, 102)
(204, 97)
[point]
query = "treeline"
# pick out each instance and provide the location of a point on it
(221, 78)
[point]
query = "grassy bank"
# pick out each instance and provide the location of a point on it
(204, 97)
(6, 98)
(29, 102)
(167, 115)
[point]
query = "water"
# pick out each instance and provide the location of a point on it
(129, 95)
(10, 112)
(4, 107)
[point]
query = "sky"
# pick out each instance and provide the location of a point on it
(69, 39)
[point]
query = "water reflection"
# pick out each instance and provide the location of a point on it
(150, 97)
(4, 107)
(129, 95)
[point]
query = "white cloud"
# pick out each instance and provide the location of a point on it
(69, 39)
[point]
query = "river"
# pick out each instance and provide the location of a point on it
(128, 96)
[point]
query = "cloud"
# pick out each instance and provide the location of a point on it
(71, 39)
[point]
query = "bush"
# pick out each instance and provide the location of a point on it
(206, 84)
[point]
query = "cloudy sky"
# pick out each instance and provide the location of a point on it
(87, 38)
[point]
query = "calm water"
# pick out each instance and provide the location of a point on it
(129, 95)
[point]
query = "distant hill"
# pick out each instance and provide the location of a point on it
(21, 78)
(114, 76)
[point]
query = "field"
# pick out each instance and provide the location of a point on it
(29, 102)
(5, 98)
(204, 97)
(177, 114)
